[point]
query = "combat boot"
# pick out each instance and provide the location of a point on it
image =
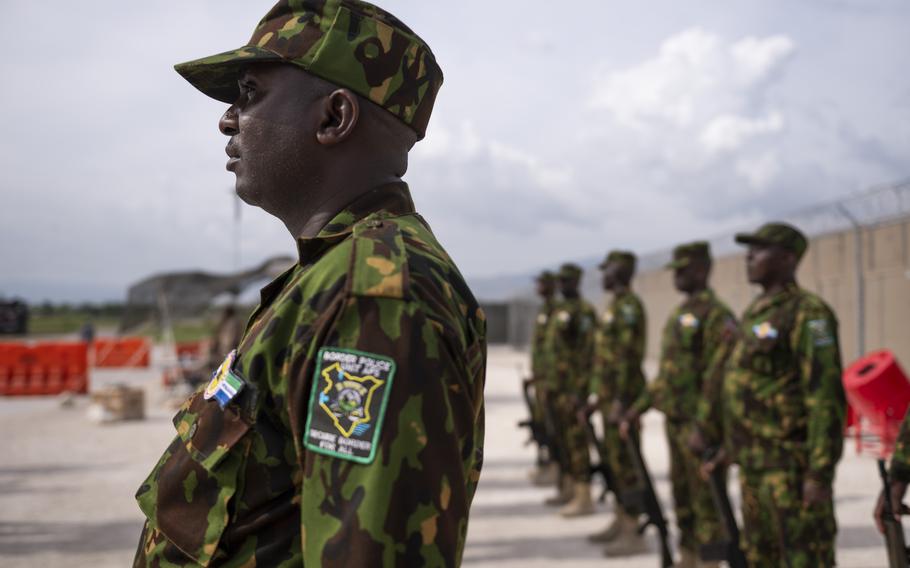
(581, 504)
(687, 559)
(610, 533)
(544, 475)
(628, 542)
(564, 495)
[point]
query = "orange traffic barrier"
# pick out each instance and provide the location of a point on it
(122, 352)
(43, 369)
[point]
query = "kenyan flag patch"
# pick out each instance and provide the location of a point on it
(348, 402)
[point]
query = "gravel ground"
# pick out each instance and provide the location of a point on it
(67, 484)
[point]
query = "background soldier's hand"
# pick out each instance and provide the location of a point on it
(584, 413)
(898, 489)
(697, 442)
(616, 412)
(630, 417)
(708, 467)
(815, 493)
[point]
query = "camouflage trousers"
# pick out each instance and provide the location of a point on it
(539, 416)
(618, 457)
(777, 530)
(696, 515)
(574, 440)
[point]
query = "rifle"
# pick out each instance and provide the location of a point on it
(728, 549)
(898, 553)
(602, 468)
(538, 433)
(646, 498)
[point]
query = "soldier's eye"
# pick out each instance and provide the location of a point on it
(247, 90)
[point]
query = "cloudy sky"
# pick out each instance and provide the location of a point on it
(563, 129)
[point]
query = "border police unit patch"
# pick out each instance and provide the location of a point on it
(347, 404)
(821, 334)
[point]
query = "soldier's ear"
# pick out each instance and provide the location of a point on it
(340, 112)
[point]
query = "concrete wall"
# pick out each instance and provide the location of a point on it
(828, 269)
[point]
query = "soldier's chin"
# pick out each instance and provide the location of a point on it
(245, 193)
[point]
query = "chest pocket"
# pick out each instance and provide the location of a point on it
(763, 355)
(188, 495)
(689, 333)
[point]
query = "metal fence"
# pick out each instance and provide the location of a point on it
(858, 260)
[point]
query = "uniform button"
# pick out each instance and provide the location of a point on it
(374, 223)
(193, 429)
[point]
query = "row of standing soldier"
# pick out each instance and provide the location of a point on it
(763, 392)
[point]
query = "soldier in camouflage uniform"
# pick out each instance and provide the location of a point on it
(617, 382)
(547, 470)
(784, 408)
(570, 334)
(899, 477)
(695, 344)
(346, 429)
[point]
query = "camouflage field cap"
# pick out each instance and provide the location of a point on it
(350, 43)
(570, 270)
(683, 255)
(781, 234)
(547, 276)
(620, 257)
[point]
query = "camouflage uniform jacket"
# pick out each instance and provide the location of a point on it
(539, 345)
(357, 438)
(784, 403)
(570, 338)
(619, 350)
(694, 346)
(900, 460)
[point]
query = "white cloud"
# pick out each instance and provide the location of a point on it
(729, 132)
(759, 171)
(755, 59)
(695, 76)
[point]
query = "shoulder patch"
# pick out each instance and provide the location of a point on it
(348, 403)
(765, 330)
(820, 332)
(380, 265)
(225, 383)
(629, 314)
(689, 320)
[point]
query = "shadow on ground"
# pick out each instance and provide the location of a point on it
(22, 539)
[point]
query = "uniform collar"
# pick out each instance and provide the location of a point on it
(703, 296)
(393, 199)
(766, 301)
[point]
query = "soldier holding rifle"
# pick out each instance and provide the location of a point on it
(571, 338)
(617, 382)
(783, 408)
(888, 513)
(695, 345)
(546, 471)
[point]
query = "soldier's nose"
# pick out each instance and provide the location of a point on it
(228, 123)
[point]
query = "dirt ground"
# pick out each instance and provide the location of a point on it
(67, 484)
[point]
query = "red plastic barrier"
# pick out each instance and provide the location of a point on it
(122, 352)
(879, 393)
(43, 369)
(191, 350)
